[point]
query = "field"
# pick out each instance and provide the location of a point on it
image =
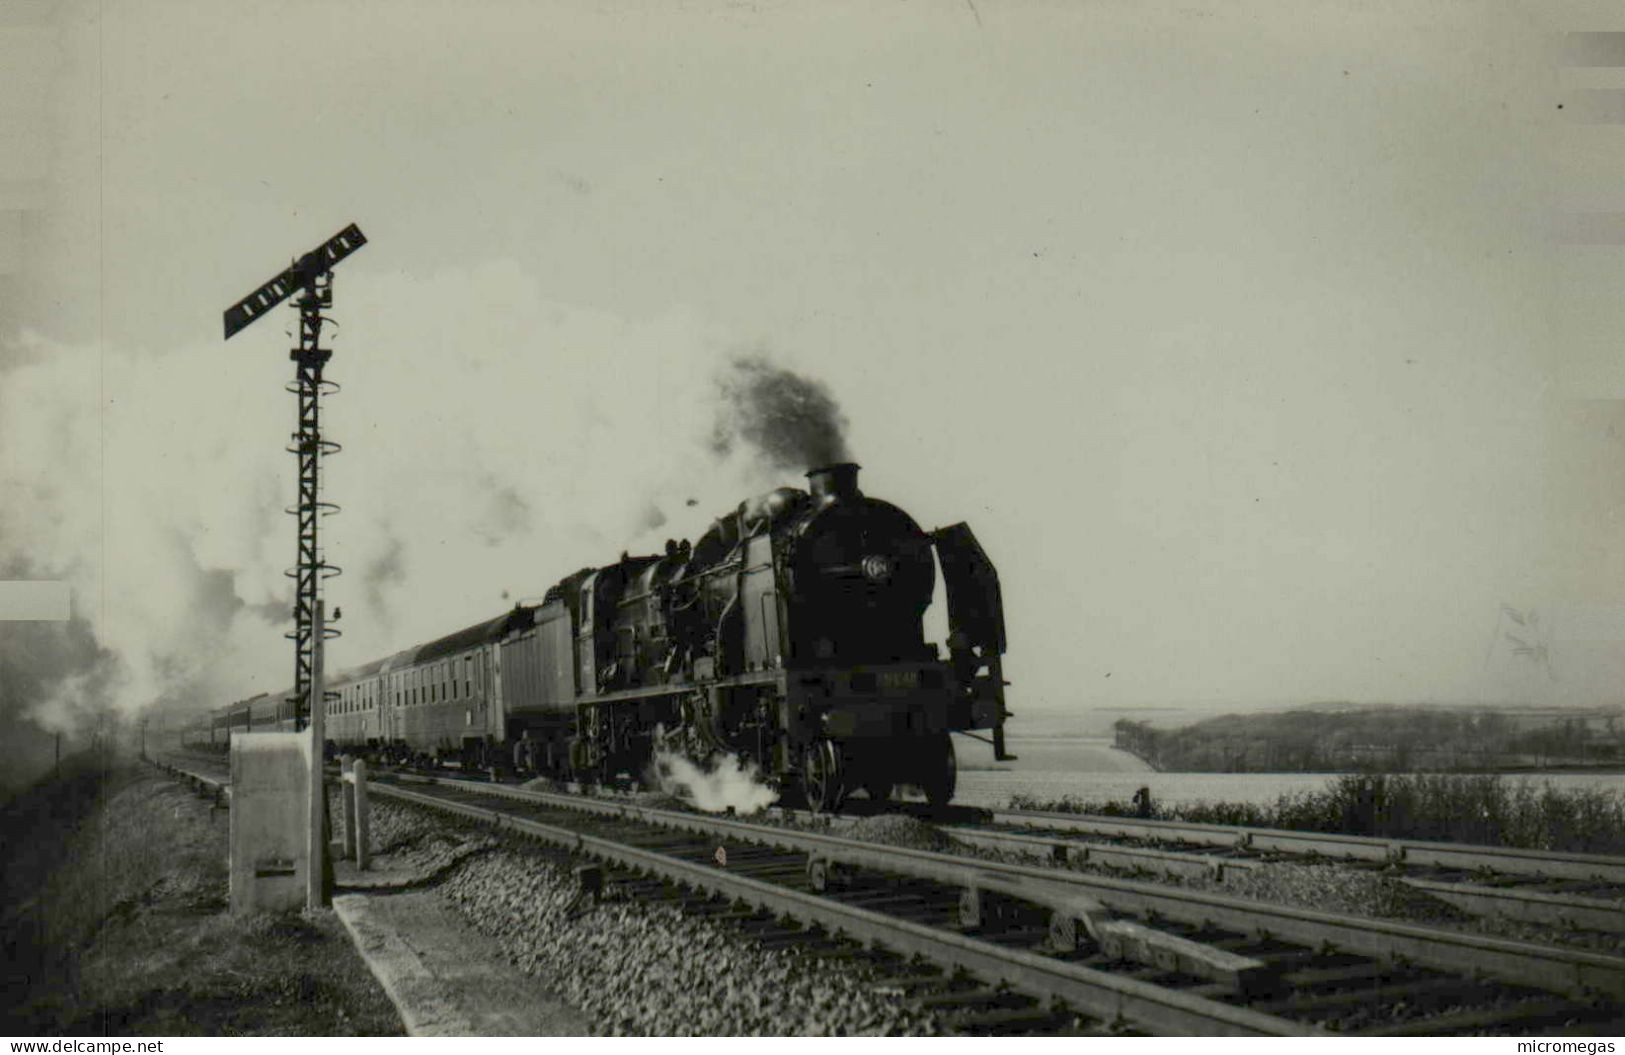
(1090, 768)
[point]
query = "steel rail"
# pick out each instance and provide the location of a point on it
(201, 783)
(1505, 860)
(1568, 910)
(1074, 851)
(1529, 906)
(1570, 972)
(1096, 993)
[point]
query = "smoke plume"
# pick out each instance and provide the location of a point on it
(792, 422)
(385, 570)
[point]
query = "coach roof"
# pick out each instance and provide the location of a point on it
(492, 630)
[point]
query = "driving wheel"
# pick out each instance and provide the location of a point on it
(939, 773)
(821, 777)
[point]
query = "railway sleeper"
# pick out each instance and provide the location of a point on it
(1074, 919)
(1076, 922)
(1413, 992)
(1500, 1019)
(978, 997)
(1035, 1019)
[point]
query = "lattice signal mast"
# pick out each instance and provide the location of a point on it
(310, 280)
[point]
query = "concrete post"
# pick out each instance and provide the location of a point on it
(316, 838)
(347, 801)
(268, 817)
(363, 823)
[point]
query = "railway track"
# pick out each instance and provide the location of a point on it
(1569, 891)
(1030, 927)
(204, 776)
(1043, 945)
(915, 964)
(1583, 892)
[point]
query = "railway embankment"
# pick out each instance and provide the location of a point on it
(638, 965)
(115, 922)
(617, 964)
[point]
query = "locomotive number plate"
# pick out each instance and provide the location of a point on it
(896, 680)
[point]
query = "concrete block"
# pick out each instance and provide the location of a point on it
(347, 799)
(270, 804)
(363, 819)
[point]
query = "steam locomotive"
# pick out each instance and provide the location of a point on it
(790, 634)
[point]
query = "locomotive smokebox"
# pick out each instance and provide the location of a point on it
(834, 482)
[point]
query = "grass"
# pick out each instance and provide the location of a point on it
(125, 929)
(1489, 810)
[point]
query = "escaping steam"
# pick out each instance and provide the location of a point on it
(164, 512)
(792, 422)
(728, 782)
(56, 674)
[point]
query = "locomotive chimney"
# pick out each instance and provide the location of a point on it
(833, 482)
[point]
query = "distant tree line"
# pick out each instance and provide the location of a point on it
(1390, 739)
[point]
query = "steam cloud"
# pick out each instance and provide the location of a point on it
(385, 570)
(55, 674)
(164, 511)
(730, 781)
(791, 421)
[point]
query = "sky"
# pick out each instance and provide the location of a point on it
(1238, 333)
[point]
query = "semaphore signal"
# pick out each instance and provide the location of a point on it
(310, 279)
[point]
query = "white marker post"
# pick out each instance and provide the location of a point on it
(316, 838)
(363, 826)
